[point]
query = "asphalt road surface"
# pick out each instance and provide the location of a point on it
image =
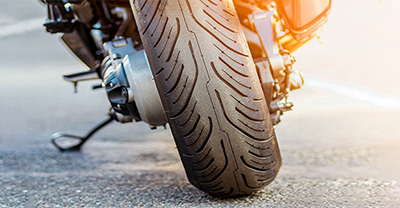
(340, 145)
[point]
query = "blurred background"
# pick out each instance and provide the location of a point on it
(340, 145)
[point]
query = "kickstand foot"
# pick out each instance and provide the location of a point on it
(81, 140)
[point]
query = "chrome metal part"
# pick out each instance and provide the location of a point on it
(81, 76)
(117, 49)
(142, 88)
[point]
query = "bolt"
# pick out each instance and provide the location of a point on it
(125, 93)
(116, 56)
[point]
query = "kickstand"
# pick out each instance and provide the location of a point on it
(82, 140)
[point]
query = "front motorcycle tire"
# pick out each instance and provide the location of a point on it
(211, 93)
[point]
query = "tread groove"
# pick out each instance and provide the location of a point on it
(193, 128)
(241, 103)
(233, 124)
(212, 34)
(198, 137)
(228, 12)
(211, 3)
(190, 116)
(207, 175)
(247, 116)
(241, 84)
(202, 147)
(263, 142)
(250, 127)
(219, 23)
(194, 84)
(202, 159)
(216, 29)
(233, 69)
(182, 92)
(260, 156)
(247, 184)
(144, 4)
(205, 167)
(175, 41)
(152, 18)
(158, 22)
(223, 52)
(253, 167)
(159, 71)
(162, 33)
(178, 79)
(260, 163)
(166, 42)
(217, 13)
(173, 68)
(223, 168)
(226, 82)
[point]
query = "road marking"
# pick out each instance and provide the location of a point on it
(21, 27)
(363, 95)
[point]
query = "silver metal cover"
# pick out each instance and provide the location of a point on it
(144, 88)
(142, 85)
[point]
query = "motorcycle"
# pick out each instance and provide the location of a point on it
(217, 71)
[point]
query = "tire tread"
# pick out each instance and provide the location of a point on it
(211, 93)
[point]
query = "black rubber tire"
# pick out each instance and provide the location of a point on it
(211, 93)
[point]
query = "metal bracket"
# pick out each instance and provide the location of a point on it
(262, 21)
(81, 76)
(141, 85)
(267, 81)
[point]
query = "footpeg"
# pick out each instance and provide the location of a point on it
(81, 76)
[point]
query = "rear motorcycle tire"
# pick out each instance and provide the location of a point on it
(211, 93)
